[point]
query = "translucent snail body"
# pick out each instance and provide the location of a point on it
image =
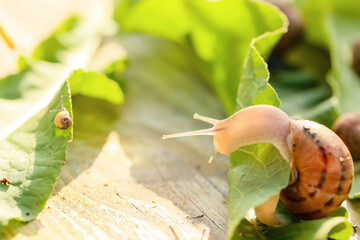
(322, 167)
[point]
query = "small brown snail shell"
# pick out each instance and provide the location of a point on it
(356, 57)
(321, 164)
(62, 119)
(347, 127)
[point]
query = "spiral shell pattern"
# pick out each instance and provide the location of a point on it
(324, 171)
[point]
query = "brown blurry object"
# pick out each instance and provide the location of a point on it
(347, 126)
(356, 57)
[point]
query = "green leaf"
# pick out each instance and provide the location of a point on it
(216, 34)
(343, 230)
(115, 71)
(220, 38)
(254, 87)
(95, 85)
(167, 19)
(343, 32)
(32, 149)
(312, 230)
(334, 227)
(257, 173)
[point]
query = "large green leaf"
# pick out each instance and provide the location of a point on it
(96, 85)
(32, 149)
(326, 228)
(219, 33)
(220, 38)
(167, 19)
(257, 173)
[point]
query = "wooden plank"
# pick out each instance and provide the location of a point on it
(121, 180)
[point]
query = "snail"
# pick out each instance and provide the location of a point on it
(62, 119)
(347, 126)
(356, 57)
(321, 165)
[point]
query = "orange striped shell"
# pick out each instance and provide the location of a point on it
(325, 171)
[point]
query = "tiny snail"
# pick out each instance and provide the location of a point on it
(321, 164)
(356, 57)
(347, 127)
(62, 119)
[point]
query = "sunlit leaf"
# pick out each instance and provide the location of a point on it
(32, 149)
(95, 85)
(167, 19)
(215, 31)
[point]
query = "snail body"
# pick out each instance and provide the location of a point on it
(321, 164)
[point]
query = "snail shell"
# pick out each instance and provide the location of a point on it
(324, 171)
(347, 127)
(63, 120)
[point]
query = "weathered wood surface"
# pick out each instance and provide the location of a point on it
(121, 180)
